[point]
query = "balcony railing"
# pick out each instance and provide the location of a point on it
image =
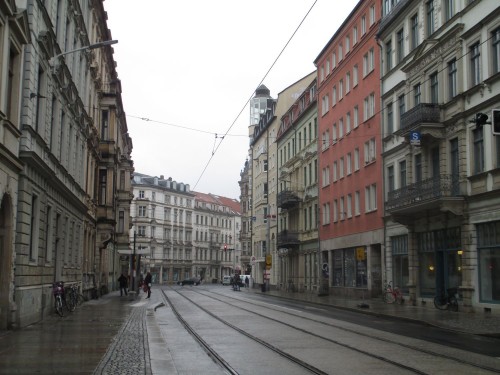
(421, 113)
(288, 199)
(288, 238)
(422, 191)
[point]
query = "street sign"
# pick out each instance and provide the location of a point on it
(415, 138)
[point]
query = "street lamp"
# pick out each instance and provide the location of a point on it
(53, 60)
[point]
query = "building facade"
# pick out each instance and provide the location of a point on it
(178, 234)
(297, 201)
(351, 184)
(62, 87)
(14, 34)
(440, 69)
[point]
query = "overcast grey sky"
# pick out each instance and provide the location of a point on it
(190, 66)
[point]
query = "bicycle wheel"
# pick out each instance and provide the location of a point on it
(440, 303)
(59, 306)
(399, 297)
(69, 304)
(453, 303)
(389, 297)
(80, 299)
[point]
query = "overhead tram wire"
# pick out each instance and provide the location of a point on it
(251, 95)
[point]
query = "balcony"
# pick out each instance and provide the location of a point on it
(288, 238)
(440, 193)
(425, 118)
(288, 199)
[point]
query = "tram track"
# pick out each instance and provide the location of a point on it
(387, 359)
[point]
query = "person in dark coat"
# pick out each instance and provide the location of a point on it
(147, 283)
(123, 284)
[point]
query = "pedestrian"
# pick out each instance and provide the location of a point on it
(247, 281)
(123, 284)
(147, 283)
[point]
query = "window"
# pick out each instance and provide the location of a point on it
(334, 133)
(34, 228)
(474, 65)
(354, 35)
(322, 73)
(105, 125)
(335, 169)
(141, 194)
(341, 89)
(342, 209)
(356, 159)
(142, 211)
(400, 37)
(430, 17)
(363, 25)
(335, 211)
(347, 44)
(326, 140)
(452, 78)
(349, 163)
(327, 67)
(326, 176)
(372, 15)
(418, 168)
(370, 151)
(347, 82)
(449, 9)
(414, 32)
(341, 167)
(341, 127)
(402, 173)
(324, 105)
(334, 95)
(348, 123)
(371, 198)
(334, 60)
(478, 150)
(141, 230)
(356, 203)
(390, 178)
(390, 119)
(349, 205)
(388, 55)
(402, 106)
(495, 43)
(340, 52)
(355, 118)
(434, 88)
(369, 106)
(355, 76)
(416, 94)
(326, 213)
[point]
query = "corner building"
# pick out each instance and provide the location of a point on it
(350, 165)
(440, 68)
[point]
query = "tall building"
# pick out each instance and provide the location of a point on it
(63, 87)
(350, 162)
(15, 34)
(297, 201)
(440, 69)
(263, 151)
(245, 233)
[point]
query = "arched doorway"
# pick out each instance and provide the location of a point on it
(5, 260)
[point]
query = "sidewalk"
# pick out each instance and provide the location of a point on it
(120, 335)
(487, 324)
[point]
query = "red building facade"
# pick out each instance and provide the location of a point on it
(350, 162)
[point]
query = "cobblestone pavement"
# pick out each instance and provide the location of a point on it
(129, 351)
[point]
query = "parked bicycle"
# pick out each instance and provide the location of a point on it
(74, 297)
(392, 294)
(447, 299)
(58, 292)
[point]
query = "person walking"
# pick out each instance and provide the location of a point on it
(147, 283)
(247, 281)
(123, 284)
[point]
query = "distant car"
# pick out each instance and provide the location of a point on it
(190, 281)
(226, 280)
